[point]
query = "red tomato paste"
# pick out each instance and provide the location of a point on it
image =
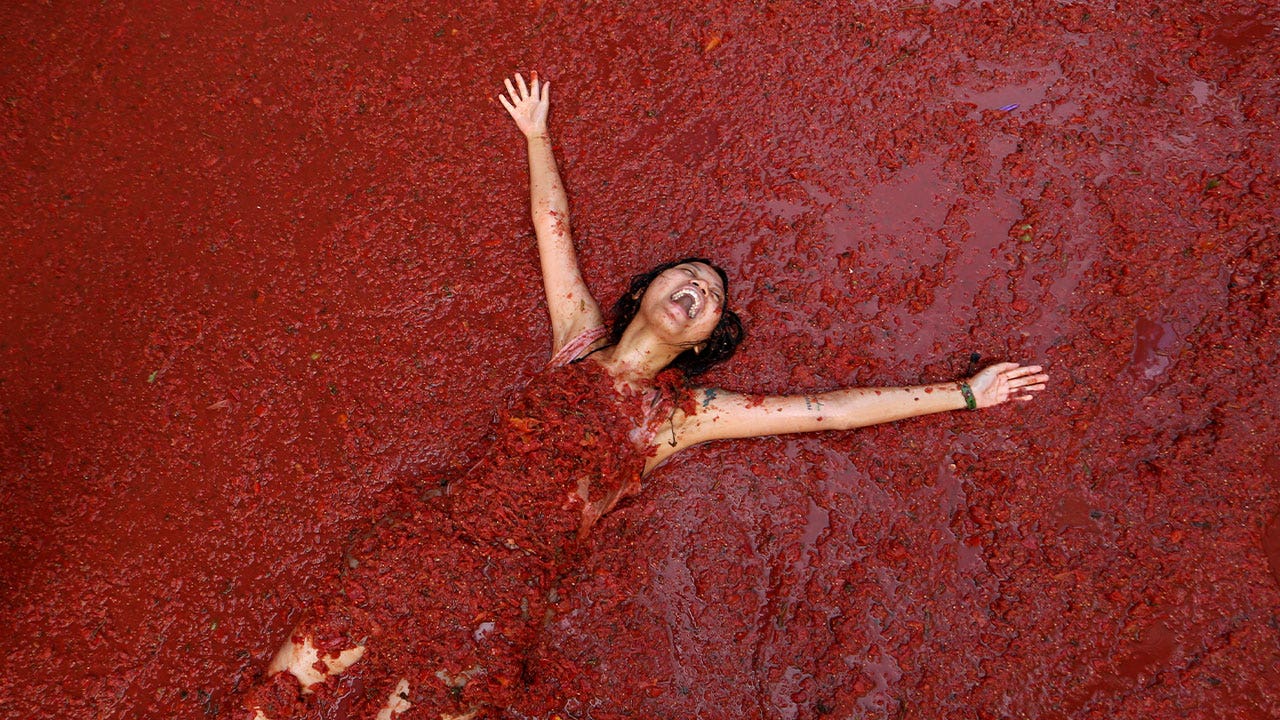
(269, 280)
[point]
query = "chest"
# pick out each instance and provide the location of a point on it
(574, 418)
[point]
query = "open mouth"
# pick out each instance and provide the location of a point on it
(689, 299)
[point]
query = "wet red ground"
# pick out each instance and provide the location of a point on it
(265, 271)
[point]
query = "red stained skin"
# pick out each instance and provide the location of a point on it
(269, 280)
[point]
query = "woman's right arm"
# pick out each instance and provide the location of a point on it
(572, 308)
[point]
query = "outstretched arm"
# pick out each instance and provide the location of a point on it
(570, 303)
(722, 415)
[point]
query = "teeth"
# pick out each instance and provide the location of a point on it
(693, 295)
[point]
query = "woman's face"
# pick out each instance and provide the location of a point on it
(685, 302)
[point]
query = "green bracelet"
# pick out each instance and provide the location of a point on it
(970, 402)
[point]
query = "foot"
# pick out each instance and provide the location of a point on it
(397, 701)
(301, 660)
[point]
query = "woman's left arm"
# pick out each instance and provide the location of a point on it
(722, 415)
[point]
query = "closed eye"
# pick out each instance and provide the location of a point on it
(719, 298)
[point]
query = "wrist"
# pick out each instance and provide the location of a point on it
(543, 136)
(966, 393)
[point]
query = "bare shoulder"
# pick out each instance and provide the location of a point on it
(701, 415)
(582, 341)
(712, 413)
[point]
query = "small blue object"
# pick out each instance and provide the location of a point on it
(1008, 108)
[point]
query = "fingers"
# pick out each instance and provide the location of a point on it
(540, 89)
(1026, 380)
(545, 94)
(1023, 389)
(1023, 377)
(526, 104)
(1007, 381)
(1017, 370)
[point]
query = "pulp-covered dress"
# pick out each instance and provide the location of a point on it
(453, 597)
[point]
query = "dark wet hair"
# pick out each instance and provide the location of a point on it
(717, 348)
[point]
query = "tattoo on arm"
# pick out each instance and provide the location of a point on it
(812, 403)
(708, 395)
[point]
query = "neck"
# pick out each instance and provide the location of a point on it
(639, 356)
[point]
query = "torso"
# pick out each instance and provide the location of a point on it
(661, 426)
(669, 404)
(572, 445)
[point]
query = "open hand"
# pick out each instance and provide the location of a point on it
(1007, 381)
(528, 107)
